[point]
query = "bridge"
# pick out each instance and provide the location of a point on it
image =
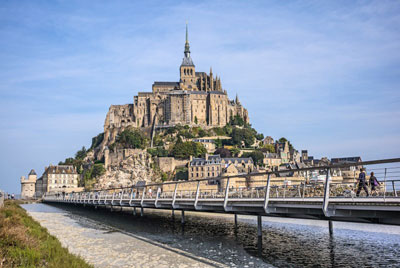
(261, 194)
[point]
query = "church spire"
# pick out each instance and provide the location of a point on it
(187, 47)
(187, 60)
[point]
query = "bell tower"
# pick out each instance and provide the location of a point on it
(187, 69)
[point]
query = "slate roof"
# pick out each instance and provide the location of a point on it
(212, 160)
(162, 83)
(32, 172)
(239, 159)
(346, 160)
(187, 61)
(60, 169)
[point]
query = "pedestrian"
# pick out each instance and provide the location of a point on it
(150, 193)
(373, 183)
(362, 183)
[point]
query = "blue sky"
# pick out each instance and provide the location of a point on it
(324, 74)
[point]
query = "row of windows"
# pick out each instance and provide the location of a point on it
(62, 175)
(209, 174)
(188, 71)
(208, 168)
(63, 181)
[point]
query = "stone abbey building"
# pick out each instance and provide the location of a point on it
(197, 99)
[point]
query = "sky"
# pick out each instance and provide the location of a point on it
(323, 74)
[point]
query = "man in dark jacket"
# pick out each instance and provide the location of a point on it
(362, 183)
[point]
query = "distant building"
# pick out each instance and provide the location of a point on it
(59, 178)
(207, 167)
(345, 160)
(268, 140)
(215, 166)
(28, 185)
(209, 144)
(282, 148)
(39, 188)
(272, 160)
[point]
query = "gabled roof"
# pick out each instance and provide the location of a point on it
(32, 172)
(60, 169)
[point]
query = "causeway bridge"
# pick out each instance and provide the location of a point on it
(261, 194)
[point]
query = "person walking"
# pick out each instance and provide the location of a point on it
(362, 183)
(373, 183)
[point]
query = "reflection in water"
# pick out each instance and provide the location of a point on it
(283, 244)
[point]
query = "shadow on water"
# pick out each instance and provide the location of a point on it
(282, 245)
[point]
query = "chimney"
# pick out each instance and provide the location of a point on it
(191, 158)
(206, 156)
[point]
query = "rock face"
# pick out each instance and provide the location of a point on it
(136, 165)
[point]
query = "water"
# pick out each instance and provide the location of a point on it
(286, 242)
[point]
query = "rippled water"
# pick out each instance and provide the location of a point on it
(286, 242)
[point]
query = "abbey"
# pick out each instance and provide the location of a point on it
(198, 99)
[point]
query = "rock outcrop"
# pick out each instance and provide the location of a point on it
(127, 171)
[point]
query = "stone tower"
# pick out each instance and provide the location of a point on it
(28, 185)
(187, 68)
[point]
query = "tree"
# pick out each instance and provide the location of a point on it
(97, 170)
(186, 149)
(283, 140)
(218, 143)
(243, 134)
(257, 157)
(235, 151)
(158, 151)
(260, 136)
(81, 154)
(237, 120)
(267, 148)
(132, 138)
(195, 120)
(223, 152)
(97, 140)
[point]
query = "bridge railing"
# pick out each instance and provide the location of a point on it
(264, 185)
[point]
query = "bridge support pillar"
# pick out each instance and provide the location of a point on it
(183, 217)
(235, 221)
(173, 214)
(259, 226)
(111, 208)
(141, 211)
(134, 211)
(330, 228)
(259, 234)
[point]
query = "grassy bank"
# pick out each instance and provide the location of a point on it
(24, 243)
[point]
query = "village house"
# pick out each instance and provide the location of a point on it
(215, 166)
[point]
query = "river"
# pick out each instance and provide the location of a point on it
(114, 239)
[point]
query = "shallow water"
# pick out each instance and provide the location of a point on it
(286, 242)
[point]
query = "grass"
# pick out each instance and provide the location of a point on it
(24, 243)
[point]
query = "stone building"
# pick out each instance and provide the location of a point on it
(28, 185)
(215, 166)
(282, 149)
(59, 178)
(209, 144)
(197, 99)
(272, 160)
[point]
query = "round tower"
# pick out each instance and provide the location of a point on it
(28, 185)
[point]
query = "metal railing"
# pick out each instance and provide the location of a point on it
(265, 186)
